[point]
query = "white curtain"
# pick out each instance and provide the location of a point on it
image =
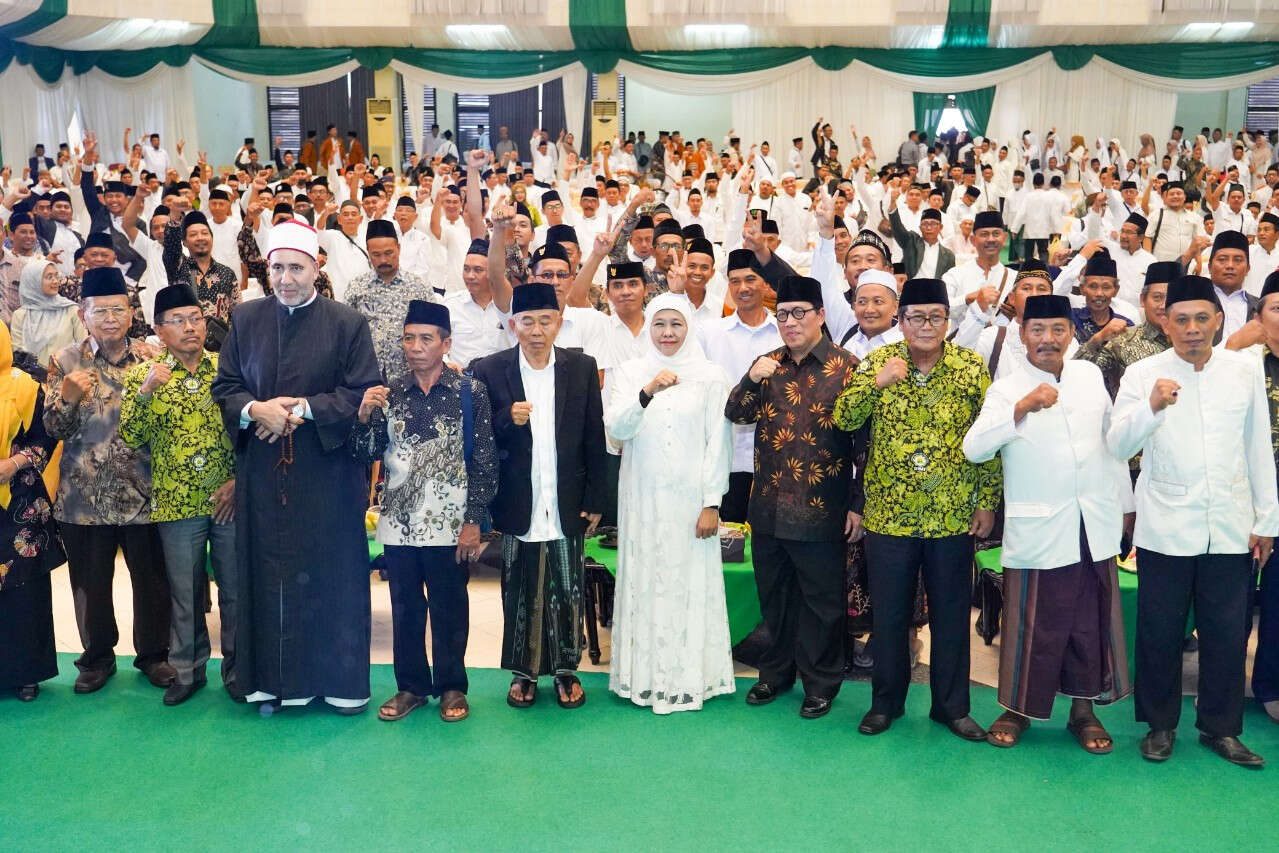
(1092, 101)
(785, 108)
(413, 97)
(574, 83)
(160, 101)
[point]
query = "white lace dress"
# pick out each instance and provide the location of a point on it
(670, 644)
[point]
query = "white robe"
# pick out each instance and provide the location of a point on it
(671, 646)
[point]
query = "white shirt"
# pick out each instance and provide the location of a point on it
(795, 161)
(448, 253)
(1235, 307)
(477, 331)
(539, 389)
(347, 259)
(963, 279)
(1131, 267)
(928, 264)
(1176, 228)
(225, 249)
(862, 346)
(1260, 264)
(66, 241)
(1207, 470)
(1012, 356)
(734, 346)
(1057, 469)
(1227, 220)
(156, 161)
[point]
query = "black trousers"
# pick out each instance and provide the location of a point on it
(91, 550)
(1265, 666)
(612, 474)
(409, 569)
(738, 497)
(801, 597)
(1036, 248)
(894, 565)
(1218, 585)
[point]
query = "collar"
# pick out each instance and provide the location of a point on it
(406, 384)
(1238, 294)
(206, 359)
(292, 308)
(524, 365)
(93, 348)
(770, 319)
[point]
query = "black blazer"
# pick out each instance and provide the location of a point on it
(100, 220)
(579, 440)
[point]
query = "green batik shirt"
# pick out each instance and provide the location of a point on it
(918, 482)
(191, 453)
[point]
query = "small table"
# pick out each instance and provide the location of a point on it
(740, 593)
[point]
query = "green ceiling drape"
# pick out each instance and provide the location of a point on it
(601, 38)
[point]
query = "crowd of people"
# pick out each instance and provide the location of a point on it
(1052, 348)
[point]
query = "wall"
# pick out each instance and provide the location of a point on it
(1225, 109)
(651, 110)
(229, 110)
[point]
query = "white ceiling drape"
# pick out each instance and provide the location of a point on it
(1092, 101)
(161, 101)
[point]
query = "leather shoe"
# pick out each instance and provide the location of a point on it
(966, 727)
(1233, 750)
(179, 693)
(874, 723)
(92, 680)
(761, 693)
(28, 692)
(161, 674)
(1157, 745)
(814, 707)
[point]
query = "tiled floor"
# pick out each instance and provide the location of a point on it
(484, 648)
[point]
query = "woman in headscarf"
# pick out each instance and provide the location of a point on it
(671, 647)
(29, 543)
(45, 322)
(1078, 151)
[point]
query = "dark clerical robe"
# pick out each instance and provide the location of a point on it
(302, 553)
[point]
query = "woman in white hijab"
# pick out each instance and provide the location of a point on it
(670, 646)
(45, 322)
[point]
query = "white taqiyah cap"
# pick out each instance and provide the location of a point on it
(295, 234)
(880, 277)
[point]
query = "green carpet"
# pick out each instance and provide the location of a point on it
(118, 771)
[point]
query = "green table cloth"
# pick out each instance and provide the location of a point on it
(989, 559)
(740, 593)
(739, 586)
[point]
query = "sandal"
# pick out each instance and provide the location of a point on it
(528, 688)
(1089, 728)
(454, 700)
(400, 705)
(564, 688)
(1009, 723)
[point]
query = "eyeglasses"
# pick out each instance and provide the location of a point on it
(101, 313)
(194, 322)
(784, 314)
(919, 321)
(671, 246)
(565, 275)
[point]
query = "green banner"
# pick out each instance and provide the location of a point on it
(967, 24)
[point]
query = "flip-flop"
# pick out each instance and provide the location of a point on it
(564, 687)
(524, 684)
(1089, 728)
(1008, 723)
